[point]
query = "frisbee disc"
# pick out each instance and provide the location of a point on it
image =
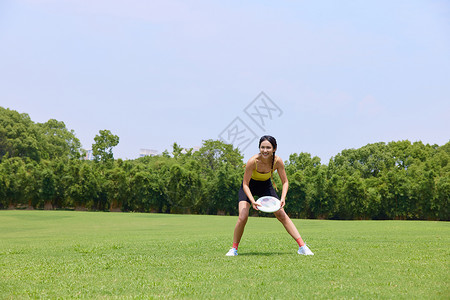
(269, 204)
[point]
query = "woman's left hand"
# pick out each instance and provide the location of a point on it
(283, 202)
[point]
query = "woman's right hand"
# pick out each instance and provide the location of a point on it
(255, 205)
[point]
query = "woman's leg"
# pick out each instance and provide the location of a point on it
(289, 225)
(292, 230)
(244, 207)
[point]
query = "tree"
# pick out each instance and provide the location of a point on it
(142, 190)
(213, 154)
(58, 140)
(31, 183)
(48, 187)
(158, 172)
(296, 198)
(223, 190)
(186, 188)
(19, 136)
(59, 169)
(355, 199)
(307, 181)
(440, 205)
(395, 194)
(317, 193)
(82, 184)
(102, 148)
(14, 181)
(220, 168)
(177, 151)
(118, 187)
(334, 192)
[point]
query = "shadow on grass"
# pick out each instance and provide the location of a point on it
(264, 253)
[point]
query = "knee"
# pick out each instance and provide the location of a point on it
(282, 217)
(243, 219)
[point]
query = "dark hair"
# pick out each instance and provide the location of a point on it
(272, 141)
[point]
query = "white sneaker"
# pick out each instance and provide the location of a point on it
(304, 250)
(232, 252)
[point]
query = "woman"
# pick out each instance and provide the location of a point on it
(257, 181)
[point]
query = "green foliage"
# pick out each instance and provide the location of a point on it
(40, 168)
(223, 190)
(13, 182)
(221, 169)
(47, 185)
(58, 140)
(21, 137)
(213, 154)
(398, 180)
(102, 148)
(83, 186)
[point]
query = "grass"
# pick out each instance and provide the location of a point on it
(63, 254)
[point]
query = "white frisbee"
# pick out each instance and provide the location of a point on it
(269, 204)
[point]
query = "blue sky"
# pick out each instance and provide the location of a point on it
(342, 73)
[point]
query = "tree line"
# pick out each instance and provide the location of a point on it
(41, 167)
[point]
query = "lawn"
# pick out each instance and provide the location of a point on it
(65, 254)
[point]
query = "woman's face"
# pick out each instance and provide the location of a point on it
(266, 149)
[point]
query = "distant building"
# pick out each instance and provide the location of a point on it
(89, 155)
(194, 149)
(147, 152)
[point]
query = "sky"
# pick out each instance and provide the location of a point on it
(320, 76)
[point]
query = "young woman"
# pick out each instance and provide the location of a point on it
(257, 181)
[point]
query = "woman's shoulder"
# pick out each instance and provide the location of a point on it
(252, 161)
(277, 158)
(278, 161)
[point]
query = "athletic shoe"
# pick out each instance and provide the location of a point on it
(304, 250)
(232, 252)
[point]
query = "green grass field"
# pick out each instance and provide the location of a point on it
(64, 254)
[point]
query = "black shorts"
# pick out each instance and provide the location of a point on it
(258, 188)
